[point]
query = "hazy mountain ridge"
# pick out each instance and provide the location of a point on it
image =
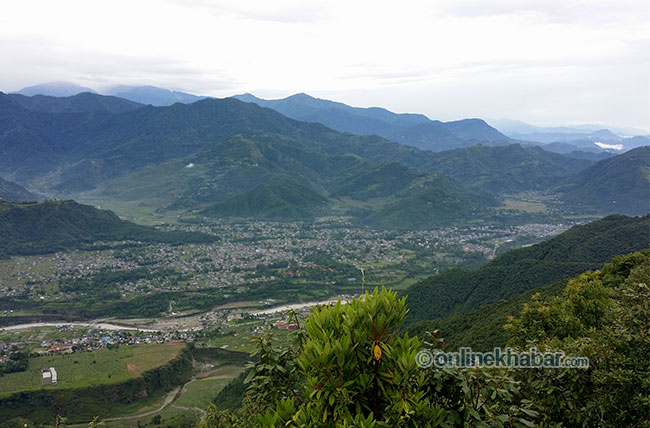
(80, 103)
(565, 139)
(411, 129)
(152, 95)
(145, 94)
(54, 89)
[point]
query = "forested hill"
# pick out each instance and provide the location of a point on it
(579, 249)
(620, 184)
(37, 228)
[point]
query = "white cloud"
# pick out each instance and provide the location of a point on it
(618, 147)
(535, 60)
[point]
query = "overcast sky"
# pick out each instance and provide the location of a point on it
(542, 61)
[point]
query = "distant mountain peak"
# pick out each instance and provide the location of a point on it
(148, 94)
(55, 89)
(410, 129)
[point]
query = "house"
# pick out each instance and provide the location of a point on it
(50, 377)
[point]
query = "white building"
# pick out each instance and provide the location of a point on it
(49, 376)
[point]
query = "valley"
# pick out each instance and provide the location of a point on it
(161, 257)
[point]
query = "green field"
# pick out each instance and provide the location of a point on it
(201, 391)
(91, 368)
(528, 206)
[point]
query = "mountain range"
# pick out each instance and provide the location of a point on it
(565, 139)
(146, 94)
(152, 95)
(54, 89)
(411, 129)
(235, 159)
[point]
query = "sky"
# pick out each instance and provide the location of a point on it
(542, 61)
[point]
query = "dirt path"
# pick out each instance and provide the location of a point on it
(172, 396)
(169, 400)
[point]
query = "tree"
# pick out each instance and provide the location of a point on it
(350, 367)
(604, 316)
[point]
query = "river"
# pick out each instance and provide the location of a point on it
(297, 306)
(97, 325)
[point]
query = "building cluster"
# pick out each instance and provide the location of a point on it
(91, 341)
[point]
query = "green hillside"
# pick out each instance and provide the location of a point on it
(506, 169)
(280, 198)
(37, 228)
(576, 250)
(247, 176)
(428, 202)
(616, 185)
(374, 181)
(481, 328)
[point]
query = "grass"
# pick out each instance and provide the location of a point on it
(525, 206)
(200, 392)
(91, 368)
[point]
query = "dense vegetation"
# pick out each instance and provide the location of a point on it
(604, 316)
(507, 169)
(349, 366)
(47, 227)
(17, 362)
(617, 185)
(517, 271)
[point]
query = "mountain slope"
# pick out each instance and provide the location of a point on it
(482, 329)
(616, 185)
(152, 95)
(247, 176)
(12, 192)
(54, 89)
(429, 202)
(91, 147)
(517, 271)
(336, 115)
(280, 198)
(79, 103)
(506, 169)
(38, 228)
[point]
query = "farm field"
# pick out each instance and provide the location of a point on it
(187, 406)
(201, 391)
(84, 369)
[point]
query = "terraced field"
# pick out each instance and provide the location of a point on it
(83, 369)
